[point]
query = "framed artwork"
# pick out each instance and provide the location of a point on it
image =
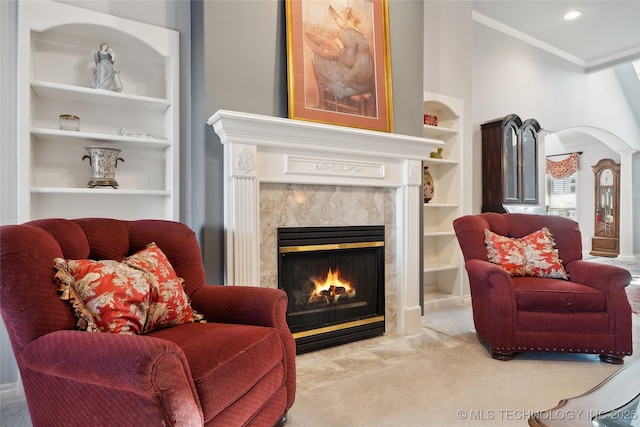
(339, 63)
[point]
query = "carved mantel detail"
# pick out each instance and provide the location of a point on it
(245, 161)
(344, 168)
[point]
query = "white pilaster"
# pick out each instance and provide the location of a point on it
(409, 263)
(241, 218)
(626, 206)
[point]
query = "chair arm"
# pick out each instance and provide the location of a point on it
(153, 369)
(251, 305)
(140, 364)
(490, 275)
(246, 305)
(600, 276)
(494, 302)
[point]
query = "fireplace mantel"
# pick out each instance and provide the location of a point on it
(277, 150)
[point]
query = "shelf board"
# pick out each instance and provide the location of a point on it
(97, 96)
(65, 135)
(433, 267)
(434, 301)
(432, 297)
(440, 205)
(431, 161)
(438, 131)
(100, 191)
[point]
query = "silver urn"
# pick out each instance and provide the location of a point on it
(103, 162)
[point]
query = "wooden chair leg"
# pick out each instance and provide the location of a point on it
(610, 358)
(502, 356)
(282, 421)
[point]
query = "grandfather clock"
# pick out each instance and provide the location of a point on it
(606, 239)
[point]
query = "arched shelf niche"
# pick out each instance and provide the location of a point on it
(62, 54)
(55, 67)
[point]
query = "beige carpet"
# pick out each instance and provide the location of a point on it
(441, 376)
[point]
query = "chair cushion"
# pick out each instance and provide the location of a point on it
(228, 361)
(137, 295)
(557, 296)
(531, 255)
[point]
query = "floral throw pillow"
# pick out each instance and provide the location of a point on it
(506, 252)
(168, 303)
(137, 295)
(107, 296)
(532, 255)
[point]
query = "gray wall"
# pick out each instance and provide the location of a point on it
(240, 65)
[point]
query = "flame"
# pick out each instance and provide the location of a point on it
(331, 289)
(331, 280)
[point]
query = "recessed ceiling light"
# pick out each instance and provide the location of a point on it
(571, 15)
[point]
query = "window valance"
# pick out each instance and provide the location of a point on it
(563, 168)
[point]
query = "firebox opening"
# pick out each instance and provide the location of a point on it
(334, 278)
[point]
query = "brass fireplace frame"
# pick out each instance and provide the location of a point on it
(316, 239)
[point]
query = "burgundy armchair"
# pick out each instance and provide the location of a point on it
(238, 369)
(589, 313)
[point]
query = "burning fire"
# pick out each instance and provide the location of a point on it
(331, 289)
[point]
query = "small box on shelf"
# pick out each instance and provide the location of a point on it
(431, 120)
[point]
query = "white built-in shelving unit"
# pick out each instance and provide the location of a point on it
(443, 266)
(55, 70)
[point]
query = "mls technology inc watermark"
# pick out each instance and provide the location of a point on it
(569, 414)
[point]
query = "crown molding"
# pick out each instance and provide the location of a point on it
(510, 31)
(589, 66)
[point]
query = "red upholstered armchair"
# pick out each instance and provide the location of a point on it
(238, 369)
(589, 313)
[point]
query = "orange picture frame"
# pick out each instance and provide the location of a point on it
(339, 62)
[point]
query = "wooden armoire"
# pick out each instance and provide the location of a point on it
(510, 165)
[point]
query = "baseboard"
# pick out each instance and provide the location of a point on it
(11, 390)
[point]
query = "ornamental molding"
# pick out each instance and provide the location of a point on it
(244, 161)
(310, 165)
(415, 173)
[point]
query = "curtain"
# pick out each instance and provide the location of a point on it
(563, 168)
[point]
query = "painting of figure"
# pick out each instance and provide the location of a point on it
(338, 62)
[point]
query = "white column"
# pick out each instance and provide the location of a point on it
(626, 206)
(242, 232)
(409, 264)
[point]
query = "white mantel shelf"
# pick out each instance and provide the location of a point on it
(232, 126)
(271, 149)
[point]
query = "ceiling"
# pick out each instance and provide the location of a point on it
(607, 33)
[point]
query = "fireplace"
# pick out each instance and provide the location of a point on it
(334, 278)
(264, 152)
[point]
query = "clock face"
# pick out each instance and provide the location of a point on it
(606, 177)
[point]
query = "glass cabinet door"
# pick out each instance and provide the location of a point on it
(529, 166)
(511, 164)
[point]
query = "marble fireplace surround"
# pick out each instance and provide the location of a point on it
(268, 159)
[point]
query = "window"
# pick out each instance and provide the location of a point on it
(561, 195)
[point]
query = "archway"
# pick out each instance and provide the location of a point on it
(579, 137)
